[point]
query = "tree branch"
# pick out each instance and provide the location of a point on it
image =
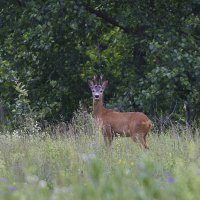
(107, 19)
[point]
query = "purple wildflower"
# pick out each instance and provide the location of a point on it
(171, 179)
(166, 173)
(198, 171)
(12, 188)
(2, 179)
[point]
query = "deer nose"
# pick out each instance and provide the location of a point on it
(96, 96)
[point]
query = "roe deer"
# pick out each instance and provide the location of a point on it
(129, 124)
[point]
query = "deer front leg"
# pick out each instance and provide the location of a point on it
(107, 134)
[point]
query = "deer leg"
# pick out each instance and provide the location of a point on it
(107, 133)
(145, 142)
(140, 139)
(105, 137)
(139, 133)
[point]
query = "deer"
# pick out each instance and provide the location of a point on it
(112, 123)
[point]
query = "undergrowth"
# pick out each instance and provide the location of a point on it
(70, 161)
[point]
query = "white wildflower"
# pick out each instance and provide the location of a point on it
(32, 179)
(86, 157)
(42, 183)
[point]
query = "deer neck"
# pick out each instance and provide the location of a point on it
(98, 108)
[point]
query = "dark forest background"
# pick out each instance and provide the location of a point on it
(149, 50)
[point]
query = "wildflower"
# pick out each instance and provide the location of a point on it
(198, 171)
(32, 179)
(62, 190)
(42, 183)
(86, 157)
(121, 162)
(170, 179)
(2, 179)
(12, 188)
(126, 172)
(166, 173)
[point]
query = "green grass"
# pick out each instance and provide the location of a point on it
(76, 164)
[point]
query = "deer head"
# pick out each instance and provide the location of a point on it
(97, 87)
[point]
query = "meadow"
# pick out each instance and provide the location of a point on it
(70, 161)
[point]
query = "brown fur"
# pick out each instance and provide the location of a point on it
(128, 124)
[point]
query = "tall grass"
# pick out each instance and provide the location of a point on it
(70, 161)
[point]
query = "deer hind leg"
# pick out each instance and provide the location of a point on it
(144, 135)
(139, 133)
(145, 142)
(140, 138)
(107, 134)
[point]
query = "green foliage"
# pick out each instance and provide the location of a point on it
(149, 51)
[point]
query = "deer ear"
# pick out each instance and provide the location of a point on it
(90, 83)
(104, 84)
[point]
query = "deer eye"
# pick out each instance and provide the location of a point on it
(101, 91)
(93, 91)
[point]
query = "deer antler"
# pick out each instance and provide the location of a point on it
(101, 80)
(95, 79)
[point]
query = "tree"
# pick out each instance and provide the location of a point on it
(148, 50)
